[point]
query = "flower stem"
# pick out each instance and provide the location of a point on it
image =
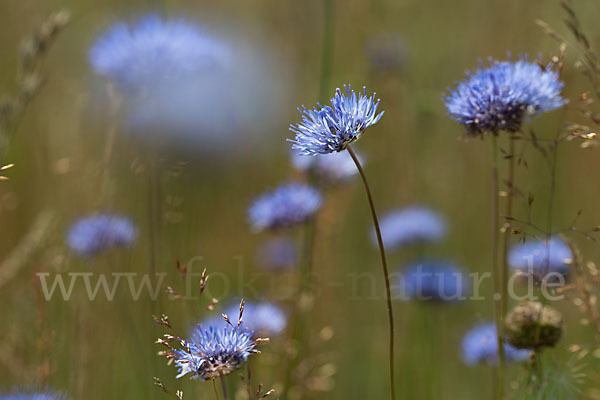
(326, 55)
(385, 269)
(215, 388)
(495, 268)
(510, 181)
(224, 387)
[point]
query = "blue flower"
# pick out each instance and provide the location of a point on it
(45, 395)
(499, 97)
(330, 168)
(192, 90)
(94, 234)
(262, 318)
(480, 345)
(285, 207)
(155, 51)
(327, 129)
(433, 280)
(277, 254)
(411, 225)
(214, 351)
(541, 257)
(386, 51)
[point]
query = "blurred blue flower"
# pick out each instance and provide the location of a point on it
(411, 225)
(500, 96)
(328, 129)
(277, 254)
(91, 235)
(330, 168)
(155, 50)
(285, 207)
(214, 351)
(262, 318)
(386, 51)
(541, 257)
(191, 90)
(433, 280)
(45, 395)
(480, 345)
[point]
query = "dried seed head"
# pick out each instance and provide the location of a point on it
(532, 325)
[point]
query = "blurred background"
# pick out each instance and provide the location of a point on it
(76, 152)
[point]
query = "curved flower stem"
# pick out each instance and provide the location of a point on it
(384, 266)
(495, 267)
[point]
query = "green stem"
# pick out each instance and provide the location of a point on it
(495, 267)
(215, 388)
(224, 387)
(304, 292)
(327, 49)
(508, 212)
(384, 267)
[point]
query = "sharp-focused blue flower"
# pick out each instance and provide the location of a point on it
(94, 234)
(480, 346)
(285, 207)
(541, 257)
(411, 225)
(155, 51)
(277, 254)
(45, 395)
(262, 318)
(498, 97)
(214, 351)
(327, 129)
(433, 280)
(330, 168)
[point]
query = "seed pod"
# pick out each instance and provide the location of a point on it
(532, 325)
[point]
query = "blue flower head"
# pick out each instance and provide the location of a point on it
(498, 97)
(411, 225)
(480, 346)
(541, 257)
(433, 280)
(285, 207)
(277, 254)
(330, 168)
(214, 351)
(94, 234)
(261, 318)
(327, 129)
(155, 51)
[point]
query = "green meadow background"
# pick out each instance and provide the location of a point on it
(416, 155)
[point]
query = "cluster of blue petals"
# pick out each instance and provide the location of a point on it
(411, 225)
(213, 351)
(541, 257)
(499, 97)
(433, 280)
(285, 207)
(154, 51)
(327, 129)
(97, 233)
(480, 346)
